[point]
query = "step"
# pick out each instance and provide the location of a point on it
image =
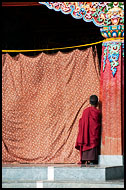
(63, 184)
(61, 172)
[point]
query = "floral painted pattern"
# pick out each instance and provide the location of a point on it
(100, 13)
(111, 52)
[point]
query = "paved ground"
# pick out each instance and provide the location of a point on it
(59, 183)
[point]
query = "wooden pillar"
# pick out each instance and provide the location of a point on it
(112, 91)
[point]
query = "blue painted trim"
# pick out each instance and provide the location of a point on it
(115, 33)
(79, 16)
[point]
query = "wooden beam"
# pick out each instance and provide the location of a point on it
(8, 4)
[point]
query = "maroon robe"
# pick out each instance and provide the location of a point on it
(89, 130)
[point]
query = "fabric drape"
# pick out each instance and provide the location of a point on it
(43, 98)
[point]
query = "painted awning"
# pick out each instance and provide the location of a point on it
(100, 13)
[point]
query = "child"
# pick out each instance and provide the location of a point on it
(88, 139)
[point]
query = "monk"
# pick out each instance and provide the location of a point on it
(88, 139)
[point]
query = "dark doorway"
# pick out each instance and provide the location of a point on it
(37, 27)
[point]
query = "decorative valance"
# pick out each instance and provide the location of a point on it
(100, 13)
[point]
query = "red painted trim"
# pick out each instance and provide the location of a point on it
(8, 4)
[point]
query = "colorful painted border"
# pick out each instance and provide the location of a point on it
(111, 52)
(100, 13)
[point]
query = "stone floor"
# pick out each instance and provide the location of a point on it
(59, 176)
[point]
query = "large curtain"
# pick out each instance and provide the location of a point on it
(43, 98)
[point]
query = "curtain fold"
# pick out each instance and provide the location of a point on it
(43, 98)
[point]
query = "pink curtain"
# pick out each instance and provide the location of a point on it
(43, 98)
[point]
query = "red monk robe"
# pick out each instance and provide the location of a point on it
(89, 131)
